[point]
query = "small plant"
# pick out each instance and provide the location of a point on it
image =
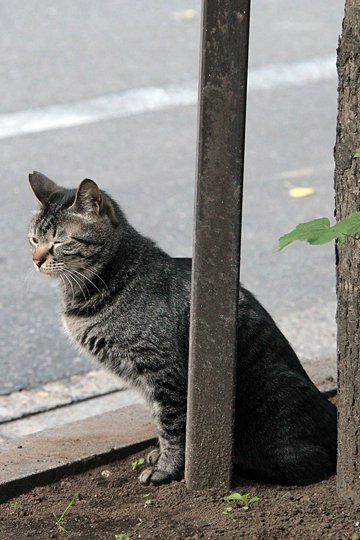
(246, 500)
(148, 500)
(59, 520)
(228, 509)
(122, 536)
(357, 153)
(137, 462)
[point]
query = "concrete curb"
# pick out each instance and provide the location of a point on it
(65, 414)
(46, 456)
(56, 394)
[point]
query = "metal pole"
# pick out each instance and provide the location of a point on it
(216, 261)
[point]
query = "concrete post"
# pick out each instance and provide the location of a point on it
(216, 261)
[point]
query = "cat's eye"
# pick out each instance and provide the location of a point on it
(34, 240)
(57, 244)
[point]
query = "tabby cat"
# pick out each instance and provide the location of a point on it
(126, 304)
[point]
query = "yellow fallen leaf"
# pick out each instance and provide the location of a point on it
(299, 192)
(184, 14)
(42, 393)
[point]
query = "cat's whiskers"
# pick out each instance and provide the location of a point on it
(73, 272)
(89, 280)
(71, 276)
(63, 275)
(95, 274)
(80, 283)
(26, 279)
(52, 267)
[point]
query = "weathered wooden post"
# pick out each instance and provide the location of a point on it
(216, 260)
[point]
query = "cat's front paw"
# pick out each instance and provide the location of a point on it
(156, 476)
(153, 456)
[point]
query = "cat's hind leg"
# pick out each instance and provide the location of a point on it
(303, 464)
(295, 464)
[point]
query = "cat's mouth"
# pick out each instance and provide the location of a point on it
(50, 270)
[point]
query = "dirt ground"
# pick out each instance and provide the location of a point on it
(109, 501)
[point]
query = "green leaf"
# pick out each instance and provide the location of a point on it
(137, 462)
(317, 231)
(357, 153)
(234, 496)
(121, 537)
(348, 226)
(254, 500)
(59, 520)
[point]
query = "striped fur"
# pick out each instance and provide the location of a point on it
(126, 304)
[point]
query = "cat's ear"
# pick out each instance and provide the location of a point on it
(42, 187)
(88, 198)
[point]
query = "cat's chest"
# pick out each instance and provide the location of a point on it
(89, 335)
(101, 340)
(112, 349)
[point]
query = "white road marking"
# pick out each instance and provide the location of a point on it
(142, 100)
(293, 74)
(300, 173)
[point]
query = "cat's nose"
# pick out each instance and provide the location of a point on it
(39, 258)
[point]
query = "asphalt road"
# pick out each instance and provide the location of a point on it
(68, 52)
